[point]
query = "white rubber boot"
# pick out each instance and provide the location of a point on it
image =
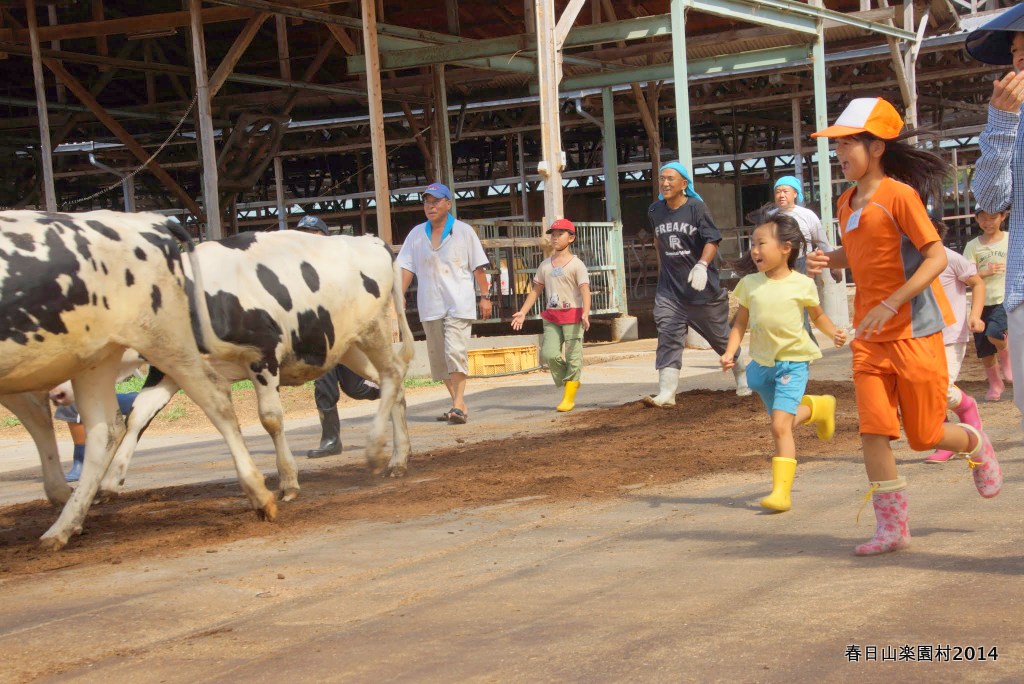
(668, 383)
(739, 372)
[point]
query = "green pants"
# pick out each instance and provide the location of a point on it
(555, 336)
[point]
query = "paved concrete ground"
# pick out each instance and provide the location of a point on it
(687, 582)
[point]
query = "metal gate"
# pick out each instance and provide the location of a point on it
(517, 248)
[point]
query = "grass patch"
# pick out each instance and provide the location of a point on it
(11, 421)
(175, 413)
(421, 381)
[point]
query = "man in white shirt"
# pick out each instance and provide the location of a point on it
(446, 256)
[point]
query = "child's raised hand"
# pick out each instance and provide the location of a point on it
(839, 337)
(517, 320)
(728, 360)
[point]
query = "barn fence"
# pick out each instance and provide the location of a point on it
(517, 248)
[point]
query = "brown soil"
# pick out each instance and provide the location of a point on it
(181, 415)
(601, 452)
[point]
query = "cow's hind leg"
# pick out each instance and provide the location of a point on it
(158, 390)
(32, 409)
(268, 399)
(211, 393)
(104, 428)
(376, 345)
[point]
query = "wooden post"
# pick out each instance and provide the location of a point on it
(211, 200)
(549, 58)
(282, 218)
(382, 193)
(798, 143)
(44, 119)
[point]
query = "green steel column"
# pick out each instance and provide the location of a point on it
(679, 71)
(612, 206)
(835, 302)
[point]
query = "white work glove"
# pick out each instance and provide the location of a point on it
(698, 276)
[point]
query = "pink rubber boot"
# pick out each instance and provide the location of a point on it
(940, 455)
(891, 529)
(967, 411)
(1004, 365)
(988, 476)
(995, 384)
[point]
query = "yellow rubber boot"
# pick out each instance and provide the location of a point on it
(823, 414)
(569, 399)
(783, 471)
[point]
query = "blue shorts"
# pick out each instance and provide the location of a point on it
(994, 316)
(782, 386)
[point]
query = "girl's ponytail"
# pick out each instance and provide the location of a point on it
(922, 170)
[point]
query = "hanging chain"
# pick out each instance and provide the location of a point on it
(144, 164)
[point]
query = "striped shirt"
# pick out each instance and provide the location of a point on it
(999, 183)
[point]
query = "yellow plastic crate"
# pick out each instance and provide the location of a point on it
(502, 360)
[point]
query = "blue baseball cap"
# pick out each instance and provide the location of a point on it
(991, 43)
(438, 190)
(310, 222)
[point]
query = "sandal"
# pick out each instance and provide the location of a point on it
(457, 417)
(446, 416)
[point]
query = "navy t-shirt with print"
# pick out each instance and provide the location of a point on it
(681, 235)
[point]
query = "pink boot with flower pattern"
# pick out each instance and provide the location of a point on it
(892, 532)
(988, 476)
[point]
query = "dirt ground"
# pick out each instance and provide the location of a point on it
(602, 451)
(572, 465)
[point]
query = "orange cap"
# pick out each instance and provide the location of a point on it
(865, 115)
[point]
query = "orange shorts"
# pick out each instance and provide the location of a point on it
(908, 375)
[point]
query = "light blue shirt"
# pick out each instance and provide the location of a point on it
(999, 183)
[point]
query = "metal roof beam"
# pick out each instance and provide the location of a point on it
(579, 36)
(712, 66)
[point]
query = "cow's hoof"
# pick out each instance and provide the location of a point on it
(52, 543)
(106, 496)
(397, 471)
(289, 493)
(268, 512)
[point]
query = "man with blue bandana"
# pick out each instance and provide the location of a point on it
(446, 257)
(689, 292)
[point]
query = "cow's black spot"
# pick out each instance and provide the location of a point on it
(129, 279)
(237, 325)
(310, 275)
(35, 292)
(104, 267)
(165, 242)
(38, 337)
(140, 254)
(313, 336)
(262, 380)
(84, 247)
(26, 243)
(104, 230)
(156, 297)
(240, 241)
(272, 284)
(105, 304)
(93, 299)
(370, 285)
(60, 220)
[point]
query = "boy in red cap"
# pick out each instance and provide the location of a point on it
(899, 362)
(567, 314)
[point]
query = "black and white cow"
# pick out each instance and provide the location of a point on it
(307, 303)
(76, 290)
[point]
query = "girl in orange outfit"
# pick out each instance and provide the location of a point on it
(899, 366)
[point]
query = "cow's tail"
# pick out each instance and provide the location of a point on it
(206, 337)
(404, 331)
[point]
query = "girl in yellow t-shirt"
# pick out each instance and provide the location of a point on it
(773, 298)
(988, 252)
